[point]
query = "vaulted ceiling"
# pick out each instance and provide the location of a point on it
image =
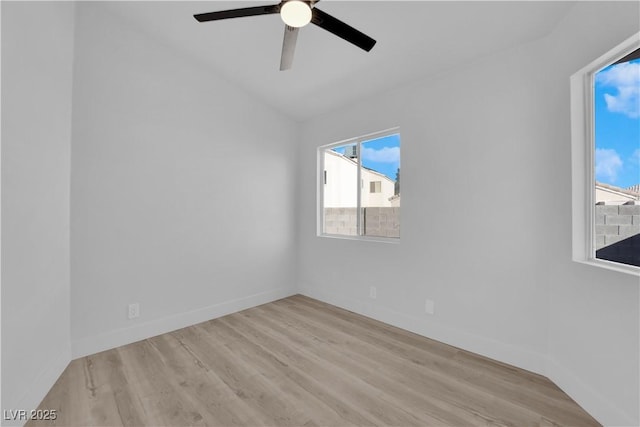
(416, 39)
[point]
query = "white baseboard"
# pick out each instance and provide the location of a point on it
(94, 344)
(493, 349)
(39, 388)
(604, 411)
(593, 402)
(598, 406)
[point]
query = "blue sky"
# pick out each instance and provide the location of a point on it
(381, 154)
(617, 124)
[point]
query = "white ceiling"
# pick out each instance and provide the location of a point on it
(416, 39)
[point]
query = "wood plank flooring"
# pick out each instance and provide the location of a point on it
(300, 362)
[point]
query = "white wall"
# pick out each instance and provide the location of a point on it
(182, 189)
(501, 125)
(37, 52)
(594, 315)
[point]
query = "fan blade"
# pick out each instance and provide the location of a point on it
(237, 13)
(342, 30)
(288, 47)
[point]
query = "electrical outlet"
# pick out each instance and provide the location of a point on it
(373, 293)
(134, 310)
(429, 306)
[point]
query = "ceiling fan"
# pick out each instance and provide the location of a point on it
(296, 14)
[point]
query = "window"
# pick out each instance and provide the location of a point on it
(347, 208)
(605, 146)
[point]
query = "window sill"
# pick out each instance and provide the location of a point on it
(392, 240)
(609, 265)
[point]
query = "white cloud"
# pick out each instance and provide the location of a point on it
(635, 157)
(383, 155)
(608, 164)
(625, 78)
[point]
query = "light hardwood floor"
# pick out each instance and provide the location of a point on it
(300, 362)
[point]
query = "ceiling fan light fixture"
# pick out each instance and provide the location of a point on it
(295, 13)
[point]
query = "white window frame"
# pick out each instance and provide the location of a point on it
(582, 159)
(320, 187)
